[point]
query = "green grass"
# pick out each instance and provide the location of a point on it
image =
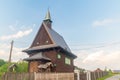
(21, 67)
(107, 76)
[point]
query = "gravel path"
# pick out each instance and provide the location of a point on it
(116, 77)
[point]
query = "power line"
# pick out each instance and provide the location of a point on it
(77, 43)
(101, 46)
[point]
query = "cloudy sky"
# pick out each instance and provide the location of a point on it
(91, 28)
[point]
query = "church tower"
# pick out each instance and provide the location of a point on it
(49, 52)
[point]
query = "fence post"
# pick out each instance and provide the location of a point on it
(94, 75)
(88, 75)
(57, 76)
(98, 74)
(34, 75)
(78, 74)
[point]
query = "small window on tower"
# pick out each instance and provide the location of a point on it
(59, 56)
(37, 43)
(47, 42)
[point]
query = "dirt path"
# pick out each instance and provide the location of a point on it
(116, 77)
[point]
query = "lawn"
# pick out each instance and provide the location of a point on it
(107, 76)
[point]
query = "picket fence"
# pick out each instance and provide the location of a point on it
(90, 75)
(54, 76)
(38, 76)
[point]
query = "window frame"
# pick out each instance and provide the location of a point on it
(67, 61)
(59, 56)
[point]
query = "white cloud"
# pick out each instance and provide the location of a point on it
(19, 34)
(94, 57)
(105, 22)
(99, 58)
(24, 27)
(17, 53)
(13, 26)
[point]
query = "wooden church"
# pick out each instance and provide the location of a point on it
(49, 51)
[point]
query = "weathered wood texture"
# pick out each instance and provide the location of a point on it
(41, 38)
(18, 76)
(54, 76)
(83, 76)
(93, 75)
(60, 63)
(33, 66)
(38, 76)
(96, 75)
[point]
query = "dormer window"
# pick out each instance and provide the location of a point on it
(37, 43)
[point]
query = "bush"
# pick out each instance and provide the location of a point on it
(21, 67)
(2, 62)
(4, 67)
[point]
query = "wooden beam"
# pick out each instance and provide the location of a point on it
(11, 48)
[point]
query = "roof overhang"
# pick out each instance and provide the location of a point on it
(49, 47)
(37, 57)
(40, 48)
(68, 53)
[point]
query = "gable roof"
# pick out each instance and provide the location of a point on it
(56, 38)
(57, 42)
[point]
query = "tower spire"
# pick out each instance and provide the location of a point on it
(48, 17)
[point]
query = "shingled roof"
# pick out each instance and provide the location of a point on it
(38, 56)
(57, 39)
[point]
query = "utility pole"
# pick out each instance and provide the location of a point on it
(11, 48)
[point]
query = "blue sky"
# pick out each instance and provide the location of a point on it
(83, 24)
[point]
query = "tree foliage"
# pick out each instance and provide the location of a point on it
(2, 62)
(21, 67)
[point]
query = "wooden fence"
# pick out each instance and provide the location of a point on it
(18, 76)
(90, 75)
(96, 75)
(38, 76)
(54, 76)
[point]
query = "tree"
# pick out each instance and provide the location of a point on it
(2, 62)
(110, 71)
